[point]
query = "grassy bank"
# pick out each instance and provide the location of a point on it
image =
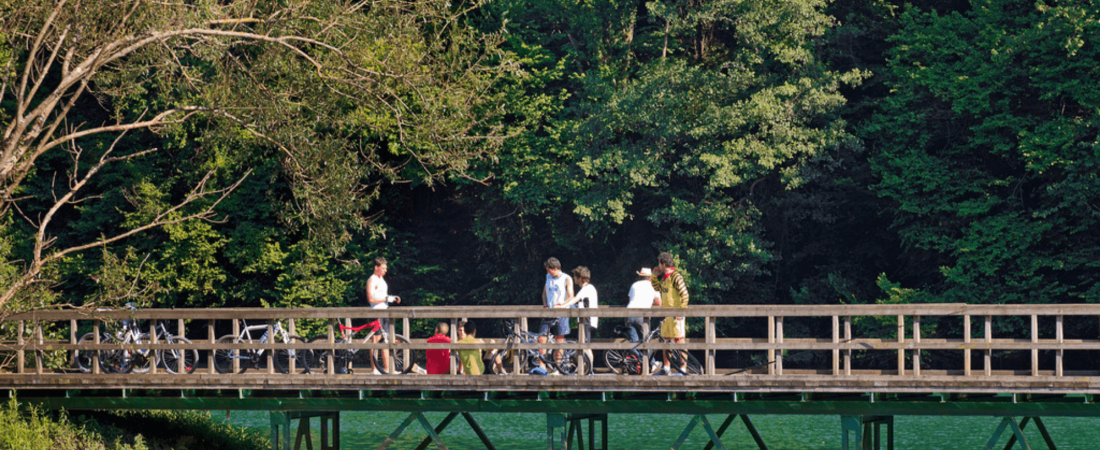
(24, 427)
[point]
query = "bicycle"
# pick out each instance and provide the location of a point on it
(563, 361)
(224, 358)
(124, 360)
(345, 359)
(629, 362)
(169, 359)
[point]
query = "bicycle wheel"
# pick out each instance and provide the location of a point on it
(319, 361)
(676, 358)
(302, 357)
(84, 358)
(170, 358)
(570, 360)
(223, 358)
(510, 353)
(141, 359)
(397, 357)
(623, 362)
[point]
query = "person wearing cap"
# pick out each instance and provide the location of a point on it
(642, 296)
(379, 298)
(669, 283)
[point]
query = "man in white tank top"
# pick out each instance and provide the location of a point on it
(379, 298)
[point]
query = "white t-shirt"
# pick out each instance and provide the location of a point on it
(588, 296)
(555, 289)
(641, 294)
(377, 288)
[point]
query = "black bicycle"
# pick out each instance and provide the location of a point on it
(561, 361)
(629, 362)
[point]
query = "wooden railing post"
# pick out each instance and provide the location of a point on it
(1060, 353)
(240, 352)
(72, 340)
(988, 345)
(966, 345)
(710, 340)
(1034, 340)
(848, 340)
(153, 339)
(771, 350)
(21, 355)
(38, 339)
(292, 364)
(95, 353)
(454, 338)
(916, 346)
(182, 366)
(779, 340)
(330, 359)
(516, 330)
(582, 333)
(210, 338)
(270, 354)
(901, 350)
(645, 332)
(836, 342)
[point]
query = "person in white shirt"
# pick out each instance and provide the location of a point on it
(585, 298)
(379, 298)
(642, 296)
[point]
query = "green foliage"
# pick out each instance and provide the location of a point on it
(988, 147)
(27, 428)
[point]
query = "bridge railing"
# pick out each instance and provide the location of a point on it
(1046, 325)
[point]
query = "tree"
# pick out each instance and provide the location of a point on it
(987, 147)
(346, 95)
(678, 152)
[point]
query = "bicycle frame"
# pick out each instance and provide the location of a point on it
(246, 336)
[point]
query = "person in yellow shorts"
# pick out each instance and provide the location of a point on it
(669, 283)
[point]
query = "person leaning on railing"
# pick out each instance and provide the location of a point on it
(642, 296)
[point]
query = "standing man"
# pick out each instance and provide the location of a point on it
(669, 283)
(556, 291)
(642, 296)
(379, 298)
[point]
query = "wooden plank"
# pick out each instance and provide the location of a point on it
(21, 358)
(771, 340)
(710, 340)
(847, 339)
(210, 354)
(916, 343)
(989, 340)
(1058, 336)
(966, 339)
(901, 340)
(779, 340)
(1034, 338)
(836, 340)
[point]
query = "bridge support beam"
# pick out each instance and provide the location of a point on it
(867, 431)
(280, 430)
(575, 426)
(1018, 433)
(699, 418)
(447, 421)
(748, 425)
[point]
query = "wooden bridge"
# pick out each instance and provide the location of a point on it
(789, 369)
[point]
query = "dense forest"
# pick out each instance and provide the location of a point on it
(230, 153)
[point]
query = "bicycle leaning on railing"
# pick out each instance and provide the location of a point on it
(561, 361)
(254, 358)
(170, 359)
(629, 362)
(345, 359)
(129, 358)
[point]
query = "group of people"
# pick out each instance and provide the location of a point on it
(662, 286)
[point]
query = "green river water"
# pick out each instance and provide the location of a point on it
(366, 430)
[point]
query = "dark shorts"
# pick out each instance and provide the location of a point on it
(557, 327)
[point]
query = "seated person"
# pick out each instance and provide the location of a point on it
(439, 361)
(470, 359)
